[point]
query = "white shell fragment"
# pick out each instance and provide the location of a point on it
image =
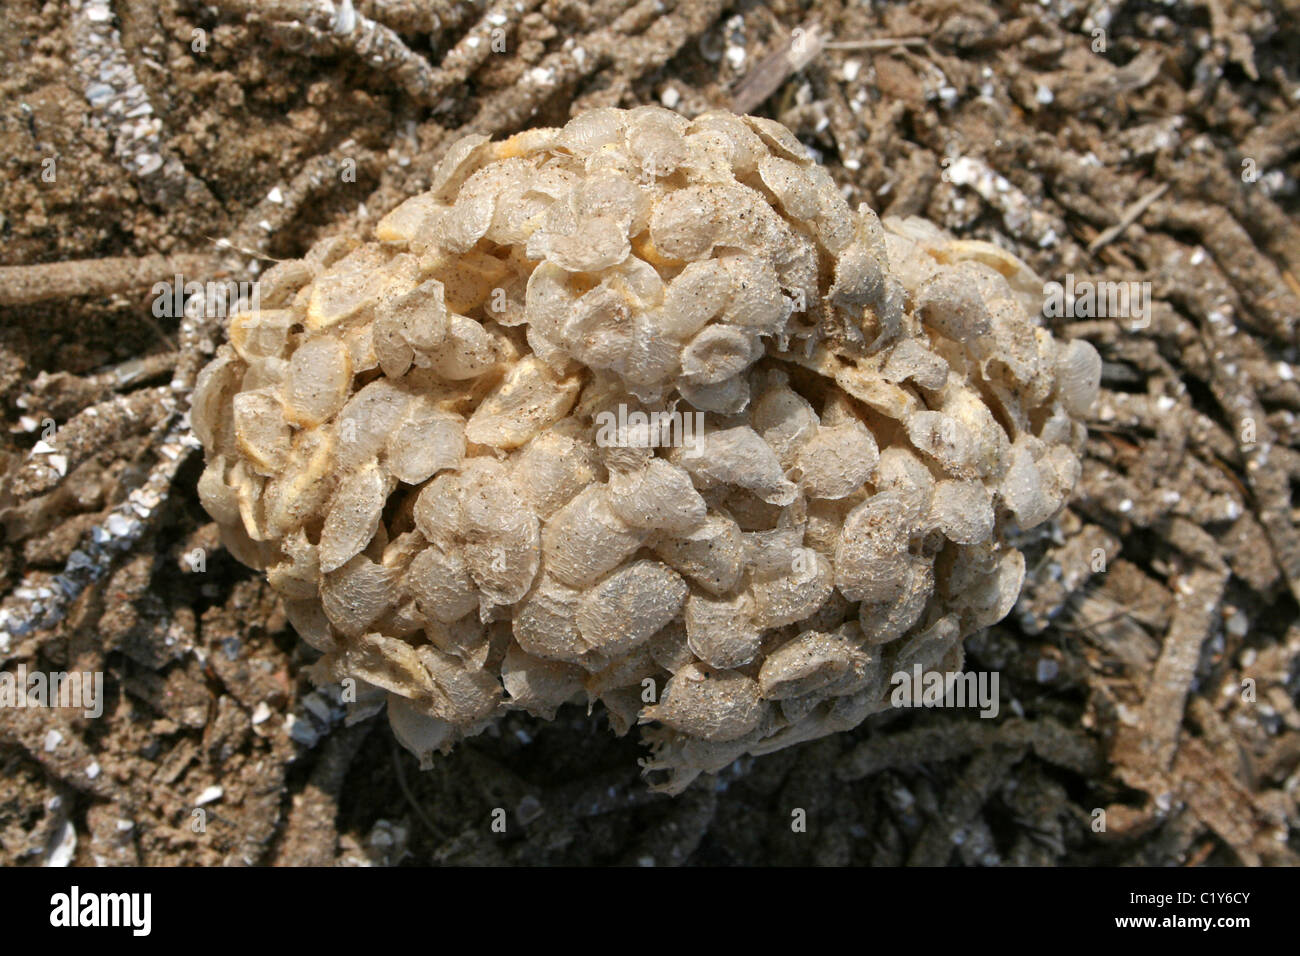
(638, 412)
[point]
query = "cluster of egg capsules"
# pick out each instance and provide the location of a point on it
(403, 436)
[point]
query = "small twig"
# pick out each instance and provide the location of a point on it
(271, 215)
(62, 395)
(1118, 615)
(410, 797)
(25, 285)
(120, 106)
(343, 26)
(1153, 742)
(41, 602)
(311, 833)
(1066, 747)
(799, 49)
(86, 434)
(1130, 216)
(877, 43)
(985, 772)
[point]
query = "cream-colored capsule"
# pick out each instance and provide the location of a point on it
(627, 608)
(707, 703)
(721, 631)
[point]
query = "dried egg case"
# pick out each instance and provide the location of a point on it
(406, 439)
